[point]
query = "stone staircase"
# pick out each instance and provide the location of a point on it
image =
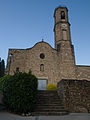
(49, 104)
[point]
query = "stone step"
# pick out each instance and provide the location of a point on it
(48, 113)
(47, 96)
(50, 107)
(49, 100)
(47, 93)
(50, 96)
(49, 103)
(49, 110)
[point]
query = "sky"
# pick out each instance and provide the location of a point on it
(26, 22)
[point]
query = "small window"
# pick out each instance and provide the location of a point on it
(42, 56)
(17, 69)
(62, 15)
(42, 67)
(10, 55)
(58, 47)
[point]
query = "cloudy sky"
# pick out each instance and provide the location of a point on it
(26, 22)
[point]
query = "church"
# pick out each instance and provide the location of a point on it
(50, 65)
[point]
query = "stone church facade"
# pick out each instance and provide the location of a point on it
(47, 63)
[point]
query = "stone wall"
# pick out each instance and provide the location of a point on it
(18, 59)
(75, 95)
(83, 72)
(29, 59)
(57, 65)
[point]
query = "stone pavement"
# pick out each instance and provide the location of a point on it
(73, 116)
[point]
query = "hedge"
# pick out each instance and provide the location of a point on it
(20, 92)
(3, 80)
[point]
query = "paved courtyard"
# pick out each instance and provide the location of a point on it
(73, 116)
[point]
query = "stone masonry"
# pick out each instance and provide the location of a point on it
(75, 95)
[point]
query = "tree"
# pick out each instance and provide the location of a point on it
(2, 68)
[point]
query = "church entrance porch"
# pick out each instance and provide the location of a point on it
(42, 83)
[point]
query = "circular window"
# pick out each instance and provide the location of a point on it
(42, 56)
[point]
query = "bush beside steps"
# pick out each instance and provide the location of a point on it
(20, 92)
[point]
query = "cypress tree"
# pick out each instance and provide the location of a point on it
(2, 67)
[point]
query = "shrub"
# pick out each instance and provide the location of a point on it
(20, 92)
(51, 87)
(3, 80)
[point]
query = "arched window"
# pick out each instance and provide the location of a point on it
(42, 67)
(17, 69)
(62, 15)
(64, 35)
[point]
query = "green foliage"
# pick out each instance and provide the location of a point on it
(20, 92)
(2, 67)
(51, 87)
(3, 80)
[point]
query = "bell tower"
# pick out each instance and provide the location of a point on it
(63, 44)
(62, 26)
